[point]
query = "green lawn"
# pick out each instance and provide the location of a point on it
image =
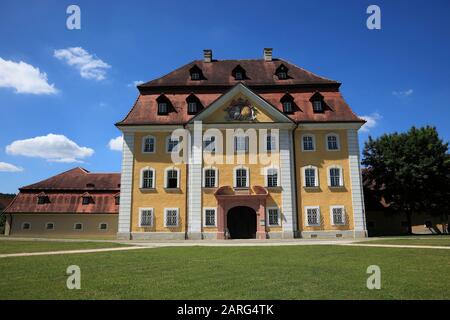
(16, 246)
(441, 240)
(284, 272)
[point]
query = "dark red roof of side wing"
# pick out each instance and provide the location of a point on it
(78, 179)
(218, 73)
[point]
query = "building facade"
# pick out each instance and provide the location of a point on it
(268, 149)
(75, 203)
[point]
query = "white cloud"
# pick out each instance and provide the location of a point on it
(404, 93)
(52, 147)
(89, 66)
(135, 83)
(24, 78)
(116, 143)
(8, 167)
(372, 121)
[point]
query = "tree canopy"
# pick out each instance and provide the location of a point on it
(410, 170)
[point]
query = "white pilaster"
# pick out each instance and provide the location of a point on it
(359, 218)
(287, 184)
(126, 186)
(195, 186)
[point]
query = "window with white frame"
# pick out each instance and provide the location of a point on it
(317, 106)
(148, 144)
(312, 216)
(273, 216)
(173, 144)
(192, 106)
(272, 177)
(210, 217)
(26, 226)
(148, 178)
(171, 217)
(50, 226)
(308, 143)
(335, 177)
(332, 142)
(271, 143)
(241, 177)
(210, 177)
(146, 217)
(209, 143)
(172, 178)
(310, 177)
(338, 215)
(240, 143)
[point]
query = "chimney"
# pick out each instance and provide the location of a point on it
(267, 54)
(207, 55)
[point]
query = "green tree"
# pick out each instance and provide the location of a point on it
(410, 170)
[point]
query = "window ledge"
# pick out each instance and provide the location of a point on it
(336, 187)
(147, 189)
(311, 188)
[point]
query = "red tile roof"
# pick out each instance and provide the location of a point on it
(261, 79)
(218, 73)
(65, 192)
(78, 179)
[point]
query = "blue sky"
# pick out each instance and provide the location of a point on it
(398, 75)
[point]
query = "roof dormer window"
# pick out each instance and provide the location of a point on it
(86, 199)
(287, 102)
(43, 198)
(164, 105)
(193, 103)
(196, 73)
(282, 72)
(239, 73)
(317, 102)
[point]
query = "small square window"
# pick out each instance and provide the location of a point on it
(86, 200)
(210, 217)
(171, 218)
(146, 219)
(50, 226)
(282, 75)
(238, 76)
(312, 216)
(195, 76)
(103, 226)
(78, 226)
(26, 226)
(192, 107)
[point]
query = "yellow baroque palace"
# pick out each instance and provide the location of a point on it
(239, 149)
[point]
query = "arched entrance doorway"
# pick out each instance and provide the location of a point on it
(241, 223)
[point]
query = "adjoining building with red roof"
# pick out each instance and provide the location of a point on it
(75, 203)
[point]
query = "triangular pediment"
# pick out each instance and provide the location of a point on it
(241, 105)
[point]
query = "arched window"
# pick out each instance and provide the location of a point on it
(148, 144)
(335, 178)
(308, 142)
(310, 177)
(332, 142)
(210, 177)
(147, 178)
(172, 178)
(241, 177)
